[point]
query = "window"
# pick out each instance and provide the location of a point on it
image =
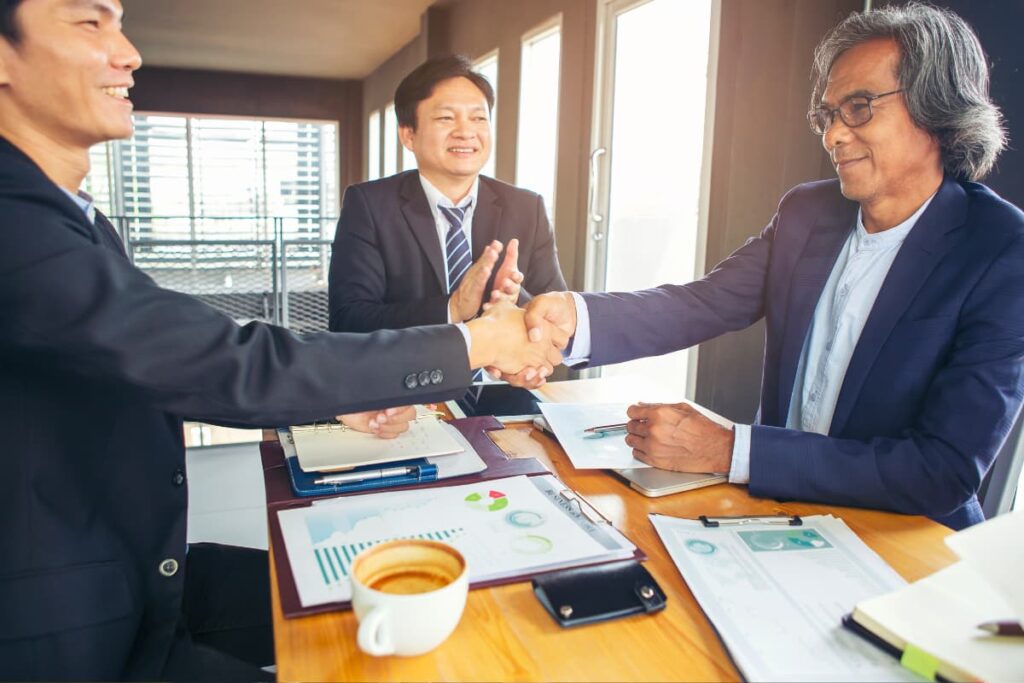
(194, 178)
(537, 146)
(373, 146)
(390, 141)
(488, 68)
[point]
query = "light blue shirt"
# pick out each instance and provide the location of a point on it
(839, 318)
(84, 202)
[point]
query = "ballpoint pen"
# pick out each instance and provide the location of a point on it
(364, 475)
(602, 431)
(1003, 628)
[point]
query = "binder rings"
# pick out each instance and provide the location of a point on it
(280, 496)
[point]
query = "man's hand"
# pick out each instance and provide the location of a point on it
(387, 424)
(508, 282)
(499, 340)
(553, 308)
(465, 301)
(675, 436)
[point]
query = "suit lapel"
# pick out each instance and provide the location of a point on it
(924, 247)
(486, 218)
(420, 218)
(809, 277)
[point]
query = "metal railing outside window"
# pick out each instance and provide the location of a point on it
(234, 265)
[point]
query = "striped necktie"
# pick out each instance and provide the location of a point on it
(459, 259)
(456, 246)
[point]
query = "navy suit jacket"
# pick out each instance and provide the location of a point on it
(387, 269)
(97, 366)
(936, 379)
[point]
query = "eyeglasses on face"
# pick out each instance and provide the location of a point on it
(854, 111)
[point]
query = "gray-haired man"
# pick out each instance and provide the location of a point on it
(893, 299)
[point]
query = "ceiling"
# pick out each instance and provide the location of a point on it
(325, 38)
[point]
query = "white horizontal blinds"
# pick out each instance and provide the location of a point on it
(152, 179)
(301, 188)
(229, 195)
(99, 182)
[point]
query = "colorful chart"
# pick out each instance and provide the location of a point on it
(789, 539)
(524, 518)
(492, 501)
(334, 560)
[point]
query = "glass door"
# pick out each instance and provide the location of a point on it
(648, 176)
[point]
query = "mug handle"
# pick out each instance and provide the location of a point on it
(373, 636)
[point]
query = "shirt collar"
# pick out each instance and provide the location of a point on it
(84, 201)
(895, 235)
(437, 198)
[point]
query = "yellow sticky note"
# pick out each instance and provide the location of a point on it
(920, 662)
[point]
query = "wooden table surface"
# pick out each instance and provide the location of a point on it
(505, 634)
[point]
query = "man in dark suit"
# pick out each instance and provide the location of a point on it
(415, 248)
(97, 367)
(893, 299)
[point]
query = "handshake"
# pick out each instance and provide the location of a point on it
(523, 346)
(520, 346)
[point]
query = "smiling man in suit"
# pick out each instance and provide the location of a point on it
(98, 365)
(421, 247)
(893, 297)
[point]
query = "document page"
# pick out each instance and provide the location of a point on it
(569, 420)
(326, 448)
(777, 594)
(504, 527)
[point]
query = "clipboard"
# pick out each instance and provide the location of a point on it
(499, 465)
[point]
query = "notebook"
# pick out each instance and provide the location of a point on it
(932, 624)
(331, 447)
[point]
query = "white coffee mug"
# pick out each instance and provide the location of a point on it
(408, 596)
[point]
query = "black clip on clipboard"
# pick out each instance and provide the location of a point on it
(740, 520)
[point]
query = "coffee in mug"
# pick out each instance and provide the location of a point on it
(408, 595)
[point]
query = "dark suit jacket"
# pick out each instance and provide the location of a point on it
(97, 366)
(935, 382)
(387, 269)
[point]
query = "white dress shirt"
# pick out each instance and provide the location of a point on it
(839, 318)
(436, 198)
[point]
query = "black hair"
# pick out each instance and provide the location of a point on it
(420, 83)
(8, 23)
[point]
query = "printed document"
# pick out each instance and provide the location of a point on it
(569, 420)
(503, 527)
(777, 594)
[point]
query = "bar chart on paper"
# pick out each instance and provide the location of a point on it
(334, 561)
(503, 528)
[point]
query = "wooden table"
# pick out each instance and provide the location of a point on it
(506, 635)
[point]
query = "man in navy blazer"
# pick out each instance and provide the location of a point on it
(98, 365)
(893, 298)
(390, 267)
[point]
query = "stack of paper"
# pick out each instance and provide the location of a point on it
(777, 595)
(504, 528)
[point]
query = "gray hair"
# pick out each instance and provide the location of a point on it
(944, 76)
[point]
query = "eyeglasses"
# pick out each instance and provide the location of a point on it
(854, 111)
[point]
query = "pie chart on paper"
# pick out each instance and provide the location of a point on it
(492, 501)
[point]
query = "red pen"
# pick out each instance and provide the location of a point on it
(1003, 628)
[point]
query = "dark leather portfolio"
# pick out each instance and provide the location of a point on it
(280, 497)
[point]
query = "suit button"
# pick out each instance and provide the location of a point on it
(179, 478)
(169, 567)
(424, 378)
(411, 382)
(436, 376)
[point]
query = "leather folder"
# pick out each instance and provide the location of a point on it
(280, 497)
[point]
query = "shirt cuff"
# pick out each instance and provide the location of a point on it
(465, 335)
(579, 349)
(739, 472)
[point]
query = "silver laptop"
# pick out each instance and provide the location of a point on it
(651, 481)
